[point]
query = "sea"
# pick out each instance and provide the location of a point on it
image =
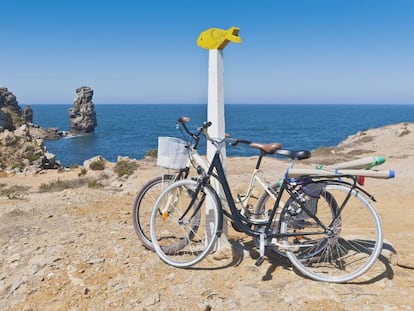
(130, 130)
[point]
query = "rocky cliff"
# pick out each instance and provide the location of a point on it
(82, 115)
(21, 142)
(11, 115)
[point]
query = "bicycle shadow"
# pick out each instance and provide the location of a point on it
(383, 268)
(231, 255)
(387, 258)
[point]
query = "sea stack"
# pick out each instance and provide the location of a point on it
(82, 115)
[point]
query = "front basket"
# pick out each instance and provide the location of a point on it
(172, 153)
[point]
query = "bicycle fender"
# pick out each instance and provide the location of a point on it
(349, 184)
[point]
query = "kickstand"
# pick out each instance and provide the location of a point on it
(260, 260)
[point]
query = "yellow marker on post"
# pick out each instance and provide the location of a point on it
(215, 38)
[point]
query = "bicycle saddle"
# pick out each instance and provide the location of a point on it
(295, 154)
(266, 148)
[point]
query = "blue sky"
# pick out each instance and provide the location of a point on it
(131, 51)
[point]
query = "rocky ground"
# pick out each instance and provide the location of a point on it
(76, 249)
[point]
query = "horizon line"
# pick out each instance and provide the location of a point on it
(166, 104)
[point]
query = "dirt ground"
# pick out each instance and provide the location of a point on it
(76, 249)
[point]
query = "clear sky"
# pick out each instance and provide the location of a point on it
(132, 51)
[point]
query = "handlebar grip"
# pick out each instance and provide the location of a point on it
(183, 119)
(235, 143)
(247, 142)
(207, 124)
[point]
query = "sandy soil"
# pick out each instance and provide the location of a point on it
(76, 249)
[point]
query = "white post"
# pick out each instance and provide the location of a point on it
(215, 107)
(215, 114)
(215, 40)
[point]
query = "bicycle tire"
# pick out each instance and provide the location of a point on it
(143, 204)
(167, 230)
(347, 249)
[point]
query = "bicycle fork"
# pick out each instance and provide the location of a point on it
(173, 199)
(194, 195)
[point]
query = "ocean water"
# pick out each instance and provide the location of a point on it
(132, 130)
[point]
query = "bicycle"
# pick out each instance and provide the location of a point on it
(327, 227)
(146, 197)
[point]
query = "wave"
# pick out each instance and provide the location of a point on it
(71, 135)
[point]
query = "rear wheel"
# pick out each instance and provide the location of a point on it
(143, 204)
(335, 247)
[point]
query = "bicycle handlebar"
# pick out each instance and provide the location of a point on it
(196, 136)
(264, 148)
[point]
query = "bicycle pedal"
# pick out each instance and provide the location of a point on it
(259, 261)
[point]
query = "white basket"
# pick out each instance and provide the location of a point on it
(172, 153)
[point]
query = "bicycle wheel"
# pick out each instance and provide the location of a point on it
(186, 217)
(349, 245)
(143, 204)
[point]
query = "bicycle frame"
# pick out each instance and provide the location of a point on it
(197, 161)
(235, 216)
(244, 223)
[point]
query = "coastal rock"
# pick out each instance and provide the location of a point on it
(46, 133)
(21, 141)
(82, 115)
(6, 122)
(27, 114)
(370, 141)
(11, 115)
(20, 151)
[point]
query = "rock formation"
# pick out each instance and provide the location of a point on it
(11, 115)
(82, 115)
(21, 142)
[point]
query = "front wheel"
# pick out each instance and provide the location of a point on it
(333, 247)
(181, 206)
